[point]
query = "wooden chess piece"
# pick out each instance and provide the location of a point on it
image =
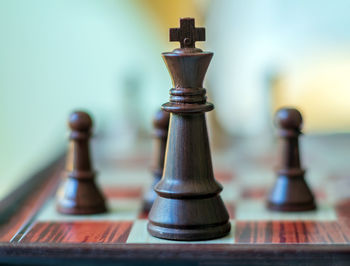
(79, 193)
(161, 125)
(188, 205)
(290, 192)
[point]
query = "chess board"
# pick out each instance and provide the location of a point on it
(35, 232)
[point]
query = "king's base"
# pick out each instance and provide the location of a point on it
(189, 234)
(189, 219)
(307, 206)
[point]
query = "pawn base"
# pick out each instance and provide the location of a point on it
(291, 194)
(308, 206)
(80, 197)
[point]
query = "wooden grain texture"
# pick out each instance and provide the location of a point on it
(10, 204)
(158, 254)
(79, 232)
(279, 232)
(49, 180)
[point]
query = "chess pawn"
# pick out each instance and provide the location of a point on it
(160, 124)
(79, 193)
(290, 192)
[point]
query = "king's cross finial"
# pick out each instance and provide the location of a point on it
(187, 34)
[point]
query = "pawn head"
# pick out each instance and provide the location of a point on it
(289, 118)
(80, 121)
(161, 120)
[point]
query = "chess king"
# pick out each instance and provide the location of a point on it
(188, 205)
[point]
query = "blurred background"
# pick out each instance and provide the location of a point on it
(104, 56)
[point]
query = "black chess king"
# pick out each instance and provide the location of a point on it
(188, 205)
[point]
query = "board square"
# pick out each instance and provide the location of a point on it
(123, 192)
(223, 176)
(139, 234)
(343, 208)
(253, 193)
(290, 232)
(255, 210)
(78, 232)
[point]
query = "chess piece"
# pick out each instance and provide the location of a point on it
(79, 193)
(188, 205)
(160, 124)
(290, 192)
